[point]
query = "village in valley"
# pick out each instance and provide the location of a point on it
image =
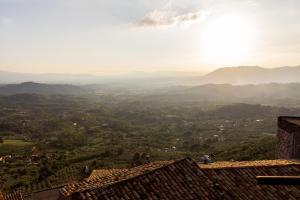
(149, 100)
(203, 175)
(43, 148)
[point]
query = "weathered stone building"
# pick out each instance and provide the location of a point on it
(288, 137)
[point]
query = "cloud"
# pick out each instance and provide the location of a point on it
(252, 3)
(165, 18)
(6, 21)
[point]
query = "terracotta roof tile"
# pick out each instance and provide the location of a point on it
(102, 177)
(185, 179)
(257, 163)
(16, 195)
(99, 173)
(181, 179)
(240, 183)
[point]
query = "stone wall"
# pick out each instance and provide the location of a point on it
(296, 153)
(288, 135)
(285, 144)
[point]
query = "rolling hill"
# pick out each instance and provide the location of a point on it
(44, 89)
(15, 77)
(227, 75)
(252, 75)
(272, 93)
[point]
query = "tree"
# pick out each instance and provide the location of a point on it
(136, 159)
(45, 171)
(69, 137)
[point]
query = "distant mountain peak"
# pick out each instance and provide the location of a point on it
(30, 83)
(253, 75)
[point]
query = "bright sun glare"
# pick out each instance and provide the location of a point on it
(228, 40)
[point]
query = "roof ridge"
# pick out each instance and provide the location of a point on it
(87, 180)
(239, 167)
(117, 175)
(143, 174)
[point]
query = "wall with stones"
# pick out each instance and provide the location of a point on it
(288, 135)
(285, 144)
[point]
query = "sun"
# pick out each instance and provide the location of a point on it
(228, 40)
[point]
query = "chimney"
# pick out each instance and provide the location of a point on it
(288, 135)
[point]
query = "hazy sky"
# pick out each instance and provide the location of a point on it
(117, 36)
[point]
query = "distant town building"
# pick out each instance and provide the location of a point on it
(288, 135)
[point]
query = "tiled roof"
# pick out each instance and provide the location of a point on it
(185, 179)
(48, 194)
(102, 177)
(256, 163)
(240, 182)
(181, 179)
(127, 173)
(17, 195)
(98, 173)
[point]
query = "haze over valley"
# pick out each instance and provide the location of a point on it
(114, 99)
(228, 75)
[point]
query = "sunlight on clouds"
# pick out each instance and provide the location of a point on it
(164, 18)
(144, 34)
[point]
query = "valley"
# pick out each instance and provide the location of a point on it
(60, 133)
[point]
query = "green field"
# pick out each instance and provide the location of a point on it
(17, 143)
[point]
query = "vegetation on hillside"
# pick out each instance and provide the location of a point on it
(63, 134)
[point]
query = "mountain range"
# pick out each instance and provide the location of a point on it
(43, 89)
(15, 77)
(285, 94)
(252, 75)
(227, 75)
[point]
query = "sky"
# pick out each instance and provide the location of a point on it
(119, 36)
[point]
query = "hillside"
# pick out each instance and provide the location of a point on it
(272, 93)
(227, 75)
(38, 88)
(120, 130)
(144, 79)
(253, 75)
